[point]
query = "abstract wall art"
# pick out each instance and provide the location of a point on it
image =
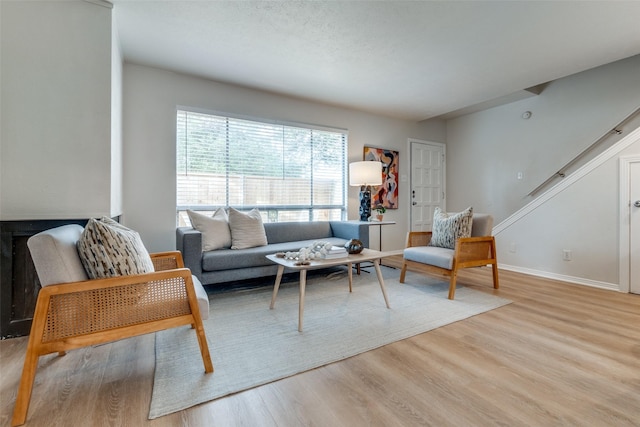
(387, 193)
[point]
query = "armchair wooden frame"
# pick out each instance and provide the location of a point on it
(468, 252)
(79, 314)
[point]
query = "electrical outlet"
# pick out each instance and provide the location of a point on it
(566, 255)
(520, 175)
(512, 248)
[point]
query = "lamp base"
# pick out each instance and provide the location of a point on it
(365, 204)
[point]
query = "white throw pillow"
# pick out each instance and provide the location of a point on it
(108, 249)
(215, 229)
(247, 230)
(449, 228)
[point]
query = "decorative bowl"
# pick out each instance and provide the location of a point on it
(354, 246)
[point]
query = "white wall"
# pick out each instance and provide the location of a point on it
(56, 110)
(581, 216)
(487, 149)
(116, 123)
(149, 103)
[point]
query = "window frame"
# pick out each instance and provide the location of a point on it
(269, 212)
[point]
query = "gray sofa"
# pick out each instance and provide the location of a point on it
(228, 265)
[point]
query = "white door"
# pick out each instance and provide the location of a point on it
(427, 182)
(634, 227)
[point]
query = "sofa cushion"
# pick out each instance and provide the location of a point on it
(247, 230)
(55, 255)
(282, 232)
(109, 249)
(215, 229)
(227, 259)
(447, 228)
(432, 255)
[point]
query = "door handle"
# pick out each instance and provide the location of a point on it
(637, 204)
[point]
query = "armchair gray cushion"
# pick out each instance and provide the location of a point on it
(432, 255)
(482, 225)
(55, 255)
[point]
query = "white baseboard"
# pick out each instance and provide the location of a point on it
(562, 277)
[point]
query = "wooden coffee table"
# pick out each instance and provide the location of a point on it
(366, 255)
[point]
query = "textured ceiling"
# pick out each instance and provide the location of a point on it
(412, 60)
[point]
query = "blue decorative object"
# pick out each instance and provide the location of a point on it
(365, 174)
(365, 204)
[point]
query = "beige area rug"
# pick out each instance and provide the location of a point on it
(252, 345)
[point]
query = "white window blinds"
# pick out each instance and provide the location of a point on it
(290, 173)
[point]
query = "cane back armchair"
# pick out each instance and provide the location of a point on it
(475, 251)
(73, 312)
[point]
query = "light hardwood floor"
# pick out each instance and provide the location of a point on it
(559, 355)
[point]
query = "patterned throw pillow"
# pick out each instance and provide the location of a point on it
(109, 249)
(247, 230)
(449, 228)
(215, 230)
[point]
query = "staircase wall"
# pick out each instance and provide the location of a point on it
(581, 214)
(487, 151)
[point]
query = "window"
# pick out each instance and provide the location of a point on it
(288, 172)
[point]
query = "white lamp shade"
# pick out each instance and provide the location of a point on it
(365, 173)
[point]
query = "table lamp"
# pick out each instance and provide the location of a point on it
(365, 174)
